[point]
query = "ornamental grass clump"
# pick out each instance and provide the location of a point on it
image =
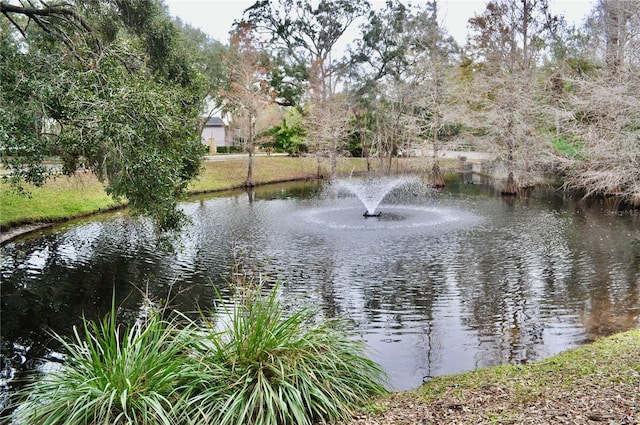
(114, 374)
(249, 364)
(280, 369)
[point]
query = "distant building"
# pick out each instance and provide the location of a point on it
(214, 134)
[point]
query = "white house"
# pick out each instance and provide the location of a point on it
(214, 133)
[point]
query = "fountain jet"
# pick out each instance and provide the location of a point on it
(372, 191)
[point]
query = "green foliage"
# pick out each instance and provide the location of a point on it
(250, 364)
(448, 131)
(122, 98)
(382, 49)
(287, 80)
(632, 127)
(570, 149)
(229, 149)
(208, 56)
(19, 132)
(582, 66)
(113, 374)
(281, 369)
(301, 35)
(287, 138)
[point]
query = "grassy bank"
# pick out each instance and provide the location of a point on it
(82, 194)
(67, 197)
(595, 383)
(60, 198)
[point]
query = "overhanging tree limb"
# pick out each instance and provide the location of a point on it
(36, 14)
(127, 109)
(67, 12)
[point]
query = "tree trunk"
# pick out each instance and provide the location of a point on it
(249, 182)
(509, 188)
(334, 159)
(436, 176)
(319, 169)
(616, 19)
(391, 149)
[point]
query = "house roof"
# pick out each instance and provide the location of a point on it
(214, 122)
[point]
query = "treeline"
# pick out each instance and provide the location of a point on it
(120, 87)
(539, 93)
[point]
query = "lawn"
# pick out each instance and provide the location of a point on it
(60, 198)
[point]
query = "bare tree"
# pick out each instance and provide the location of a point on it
(433, 50)
(393, 128)
(247, 93)
(615, 25)
(328, 122)
(506, 46)
(603, 107)
(605, 124)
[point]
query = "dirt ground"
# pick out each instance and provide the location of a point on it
(591, 404)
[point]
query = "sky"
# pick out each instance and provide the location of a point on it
(215, 17)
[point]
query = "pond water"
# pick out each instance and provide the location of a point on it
(439, 283)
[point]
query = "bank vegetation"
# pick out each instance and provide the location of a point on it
(595, 383)
(249, 361)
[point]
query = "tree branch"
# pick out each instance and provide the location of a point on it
(34, 13)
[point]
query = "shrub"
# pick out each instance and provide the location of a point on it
(229, 149)
(250, 364)
(276, 369)
(114, 374)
